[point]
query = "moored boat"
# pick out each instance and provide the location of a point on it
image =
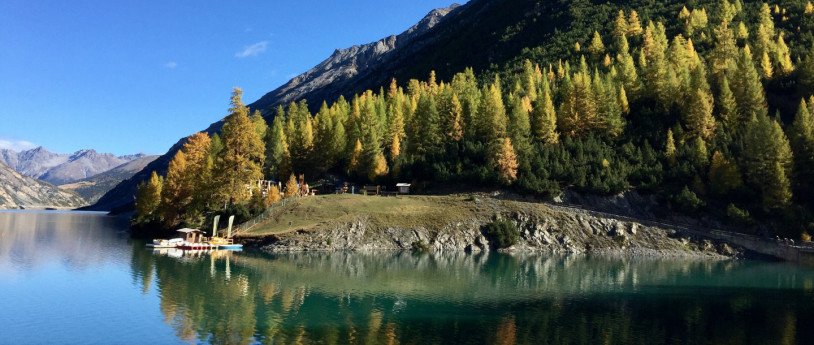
(224, 243)
(162, 243)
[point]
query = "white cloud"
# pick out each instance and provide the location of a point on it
(171, 64)
(17, 145)
(253, 50)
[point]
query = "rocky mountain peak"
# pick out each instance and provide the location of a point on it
(345, 66)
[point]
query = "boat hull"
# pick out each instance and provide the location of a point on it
(230, 246)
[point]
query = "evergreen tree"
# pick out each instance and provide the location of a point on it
(765, 149)
(766, 69)
(698, 118)
(492, 114)
(747, 88)
(148, 198)
(242, 158)
(806, 72)
(505, 159)
(620, 28)
(727, 107)
(802, 143)
(634, 25)
(597, 48)
(276, 144)
(291, 187)
(175, 193)
(198, 176)
(426, 132)
(670, 148)
(544, 118)
(723, 175)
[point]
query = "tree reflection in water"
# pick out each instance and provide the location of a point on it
(390, 298)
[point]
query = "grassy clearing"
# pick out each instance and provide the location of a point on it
(316, 212)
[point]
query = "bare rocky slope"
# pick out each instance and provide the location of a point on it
(542, 229)
(18, 191)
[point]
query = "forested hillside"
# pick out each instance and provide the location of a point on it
(706, 103)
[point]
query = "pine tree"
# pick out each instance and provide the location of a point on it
(241, 161)
(426, 127)
(806, 72)
(802, 143)
(623, 100)
(620, 28)
(723, 60)
(727, 107)
(492, 114)
(198, 175)
(767, 161)
(291, 187)
(723, 174)
(766, 68)
(670, 148)
(148, 198)
(356, 156)
(747, 88)
(782, 56)
(634, 25)
(698, 118)
(544, 118)
(175, 193)
(453, 120)
(505, 159)
(742, 33)
(597, 48)
(276, 144)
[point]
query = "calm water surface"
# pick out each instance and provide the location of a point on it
(77, 278)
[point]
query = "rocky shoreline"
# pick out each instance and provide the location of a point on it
(542, 229)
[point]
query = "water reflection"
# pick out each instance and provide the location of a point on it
(386, 298)
(76, 240)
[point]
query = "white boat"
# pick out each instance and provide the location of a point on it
(162, 243)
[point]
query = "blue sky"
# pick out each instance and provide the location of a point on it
(135, 76)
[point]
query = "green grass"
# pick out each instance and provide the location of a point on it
(317, 212)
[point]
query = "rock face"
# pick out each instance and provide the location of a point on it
(92, 188)
(552, 231)
(62, 168)
(345, 67)
(18, 191)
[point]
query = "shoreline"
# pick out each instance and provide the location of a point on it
(542, 229)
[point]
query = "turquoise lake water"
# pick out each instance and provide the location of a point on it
(77, 278)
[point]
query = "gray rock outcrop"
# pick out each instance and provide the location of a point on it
(551, 231)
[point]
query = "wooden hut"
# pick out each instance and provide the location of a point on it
(404, 188)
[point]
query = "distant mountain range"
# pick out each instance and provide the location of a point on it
(18, 191)
(57, 168)
(92, 188)
(30, 177)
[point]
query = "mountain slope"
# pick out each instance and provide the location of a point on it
(339, 74)
(93, 188)
(62, 168)
(347, 68)
(18, 190)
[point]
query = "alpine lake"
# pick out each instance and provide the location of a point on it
(78, 278)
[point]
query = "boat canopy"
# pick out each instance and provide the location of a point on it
(188, 230)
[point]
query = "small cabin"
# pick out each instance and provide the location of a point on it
(403, 188)
(192, 235)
